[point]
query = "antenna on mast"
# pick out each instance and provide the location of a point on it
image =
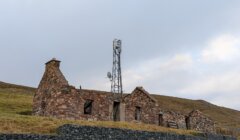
(116, 75)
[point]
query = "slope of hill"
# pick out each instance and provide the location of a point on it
(7, 85)
(16, 106)
(224, 117)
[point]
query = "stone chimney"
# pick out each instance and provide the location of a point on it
(53, 77)
(53, 63)
(52, 81)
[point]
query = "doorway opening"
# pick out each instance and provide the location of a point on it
(88, 107)
(138, 113)
(187, 120)
(160, 119)
(116, 111)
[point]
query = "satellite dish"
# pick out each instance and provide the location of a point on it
(109, 75)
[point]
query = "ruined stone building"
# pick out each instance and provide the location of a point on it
(56, 98)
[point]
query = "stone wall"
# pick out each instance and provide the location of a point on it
(197, 121)
(173, 119)
(69, 104)
(71, 132)
(28, 137)
(96, 133)
(63, 104)
(147, 105)
(101, 105)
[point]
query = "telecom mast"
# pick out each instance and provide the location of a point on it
(116, 75)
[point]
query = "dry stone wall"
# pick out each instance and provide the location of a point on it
(74, 132)
(101, 133)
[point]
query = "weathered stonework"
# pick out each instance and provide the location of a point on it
(56, 98)
(197, 121)
(173, 120)
(148, 106)
(52, 82)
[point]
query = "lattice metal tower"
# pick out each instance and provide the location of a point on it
(116, 76)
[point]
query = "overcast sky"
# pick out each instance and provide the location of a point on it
(187, 48)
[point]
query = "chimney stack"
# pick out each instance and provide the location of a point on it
(53, 77)
(53, 63)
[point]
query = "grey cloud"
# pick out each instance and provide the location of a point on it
(80, 33)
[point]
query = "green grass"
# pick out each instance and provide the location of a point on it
(16, 107)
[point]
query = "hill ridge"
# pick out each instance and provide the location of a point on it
(8, 85)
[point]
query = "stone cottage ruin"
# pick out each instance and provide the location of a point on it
(56, 98)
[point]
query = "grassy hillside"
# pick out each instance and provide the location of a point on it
(10, 87)
(224, 117)
(16, 106)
